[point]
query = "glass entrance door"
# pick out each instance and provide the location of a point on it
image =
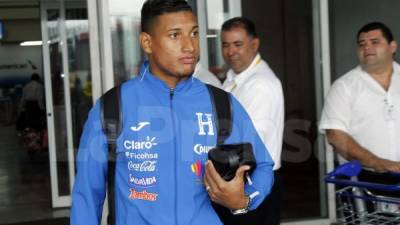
(65, 40)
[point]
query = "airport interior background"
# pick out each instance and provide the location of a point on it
(35, 185)
(26, 190)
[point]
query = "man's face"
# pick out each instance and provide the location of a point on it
(374, 50)
(238, 48)
(172, 45)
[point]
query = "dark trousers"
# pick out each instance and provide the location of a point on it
(267, 213)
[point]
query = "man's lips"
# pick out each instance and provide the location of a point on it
(369, 54)
(188, 60)
(234, 58)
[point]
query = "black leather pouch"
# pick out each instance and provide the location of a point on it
(227, 158)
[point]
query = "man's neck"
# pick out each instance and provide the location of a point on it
(382, 75)
(170, 81)
(251, 64)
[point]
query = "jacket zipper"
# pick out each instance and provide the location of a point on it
(171, 97)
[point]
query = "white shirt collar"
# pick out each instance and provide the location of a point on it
(368, 78)
(241, 77)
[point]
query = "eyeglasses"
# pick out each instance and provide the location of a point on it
(388, 110)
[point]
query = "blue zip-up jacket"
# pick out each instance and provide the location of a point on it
(161, 154)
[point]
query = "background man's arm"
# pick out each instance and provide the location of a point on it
(347, 147)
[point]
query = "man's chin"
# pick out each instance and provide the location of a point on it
(369, 66)
(185, 73)
(236, 68)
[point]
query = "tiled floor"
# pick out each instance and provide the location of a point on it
(25, 193)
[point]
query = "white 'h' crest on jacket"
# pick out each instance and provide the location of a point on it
(202, 123)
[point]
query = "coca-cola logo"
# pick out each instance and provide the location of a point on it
(145, 166)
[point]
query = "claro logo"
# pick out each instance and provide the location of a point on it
(139, 145)
(201, 149)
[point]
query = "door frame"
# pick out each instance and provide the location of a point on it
(96, 79)
(57, 200)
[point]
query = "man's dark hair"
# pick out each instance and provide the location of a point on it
(386, 32)
(153, 8)
(35, 77)
(242, 22)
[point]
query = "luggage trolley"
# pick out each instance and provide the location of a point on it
(356, 202)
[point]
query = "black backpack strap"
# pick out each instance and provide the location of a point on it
(111, 115)
(222, 107)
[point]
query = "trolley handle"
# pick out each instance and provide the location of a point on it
(353, 168)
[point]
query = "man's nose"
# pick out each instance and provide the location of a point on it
(367, 46)
(188, 44)
(231, 51)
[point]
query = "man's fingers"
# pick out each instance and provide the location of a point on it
(212, 178)
(388, 165)
(208, 182)
(240, 172)
(213, 174)
(394, 167)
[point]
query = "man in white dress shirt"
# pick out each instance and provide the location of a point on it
(257, 88)
(361, 115)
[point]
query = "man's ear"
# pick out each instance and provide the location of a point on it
(145, 42)
(393, 47)
(255, 44)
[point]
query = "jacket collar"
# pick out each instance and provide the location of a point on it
(146, 77)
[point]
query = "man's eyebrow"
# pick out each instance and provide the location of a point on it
(362, 40)
(179, 29)
(225, 42)
(174, 29)
(235, 42)
(371, 39)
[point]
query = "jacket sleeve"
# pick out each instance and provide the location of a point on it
(262, 178)
(90, 184)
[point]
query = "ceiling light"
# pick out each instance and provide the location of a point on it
(31, 43)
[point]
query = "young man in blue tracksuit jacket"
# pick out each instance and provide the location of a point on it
(162, 174)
